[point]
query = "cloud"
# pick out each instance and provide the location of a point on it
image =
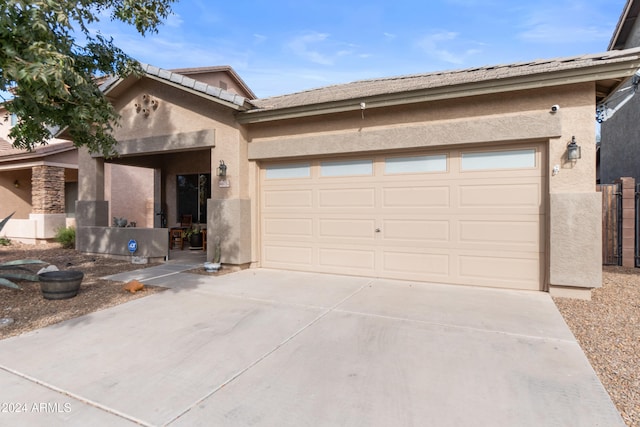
(441, 46)
(549, 24)
(174, 21)
(389, 36)
(303, 46)
(259, 38)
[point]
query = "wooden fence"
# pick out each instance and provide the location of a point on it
(611, 223)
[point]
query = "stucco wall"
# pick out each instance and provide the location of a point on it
(511, 117)
(576, 228)
(14, 199)
(153, 243)
(182, 134)
(128, 191)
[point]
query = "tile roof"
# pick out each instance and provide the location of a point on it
(8, 152)
(217, 68)
(393, 85)
(186, 82)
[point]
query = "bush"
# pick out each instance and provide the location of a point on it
(66, 236)
(4, 241)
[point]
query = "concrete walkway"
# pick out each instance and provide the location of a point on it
(272, 348)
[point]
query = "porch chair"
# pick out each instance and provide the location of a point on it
(186, 221)
(175, 238)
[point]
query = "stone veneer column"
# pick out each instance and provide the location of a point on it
(628, 221)
(47, 194)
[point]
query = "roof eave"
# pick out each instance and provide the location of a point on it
(627, 18)
(613, 71)
(245, 105)
(31, 155)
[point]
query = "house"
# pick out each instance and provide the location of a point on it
(41, 187)
(619, 151)
(458, 177)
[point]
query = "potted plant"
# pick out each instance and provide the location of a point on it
(193, 235)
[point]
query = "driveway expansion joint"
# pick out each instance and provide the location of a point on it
(75, 396)
(268, 353)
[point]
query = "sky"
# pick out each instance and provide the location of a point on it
(286, 46)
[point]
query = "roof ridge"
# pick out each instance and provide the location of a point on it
(540, 61)
(393, 85)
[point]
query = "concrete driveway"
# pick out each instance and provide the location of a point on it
(273, 348)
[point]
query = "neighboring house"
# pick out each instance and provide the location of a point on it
(619, 151)
(458, 177)
(41, 187)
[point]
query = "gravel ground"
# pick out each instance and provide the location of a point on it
(28, 310)
(608, 330)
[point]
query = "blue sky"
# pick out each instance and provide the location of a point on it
(281, 46)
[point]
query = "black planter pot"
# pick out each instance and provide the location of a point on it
(60, 284)
(195, 241)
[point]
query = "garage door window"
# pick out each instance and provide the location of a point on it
(508, 159)
(416, 164)
(301, 170)
(346, 168)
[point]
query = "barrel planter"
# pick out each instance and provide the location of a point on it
(60, 284)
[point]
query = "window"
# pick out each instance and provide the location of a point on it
(300, 170)
(508, 159)
(416, 164)
(346, 168)
(193, 192)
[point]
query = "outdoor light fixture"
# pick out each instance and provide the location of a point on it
(573, 150)
(222, 169)
(16, 183)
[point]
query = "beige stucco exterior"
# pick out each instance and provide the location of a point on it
(521, 116)
(173, 125)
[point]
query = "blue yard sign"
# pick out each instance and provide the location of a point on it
(133, 246)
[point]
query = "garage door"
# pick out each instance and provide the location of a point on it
(473, 217)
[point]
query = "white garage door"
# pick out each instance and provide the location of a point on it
(472, 217)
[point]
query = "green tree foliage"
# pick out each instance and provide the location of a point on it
(50, 59)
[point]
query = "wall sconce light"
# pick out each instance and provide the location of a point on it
(573, 150)
(222, 169)
(16, 183)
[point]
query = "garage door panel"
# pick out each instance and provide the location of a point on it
(412, 197)
(504, 196)
(288, 198)
(289, 227)
(347, 198)
(300, 256)
(347, 258)
(398, 263)
(521, 234)
(347, 228)
(424, 231)
(494, 269)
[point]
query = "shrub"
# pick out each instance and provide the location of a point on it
(66, 236)
(4, 241)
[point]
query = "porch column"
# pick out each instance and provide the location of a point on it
(628, 186)
(47, 200)
(47, 189)
(91, 208)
